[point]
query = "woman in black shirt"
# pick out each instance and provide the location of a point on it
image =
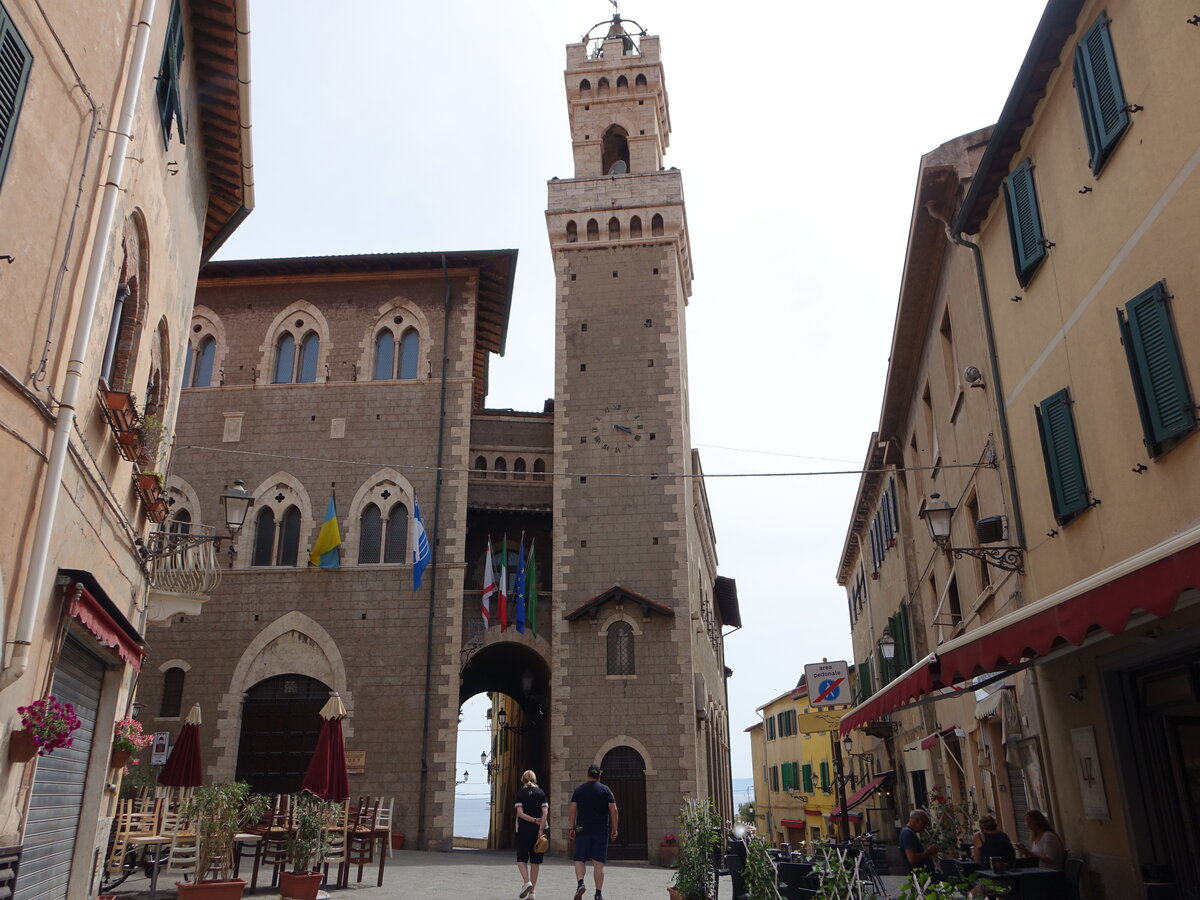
(531, 824)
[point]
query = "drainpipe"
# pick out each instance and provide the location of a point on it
(994, 365)
(437, 512)
(60, 447)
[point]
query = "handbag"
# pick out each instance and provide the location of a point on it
(542, 844)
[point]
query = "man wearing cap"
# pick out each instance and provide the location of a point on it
(592, 822)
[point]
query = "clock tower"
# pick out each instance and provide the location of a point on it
(638, 673)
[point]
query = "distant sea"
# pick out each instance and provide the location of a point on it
(471, 814)
(471, 817)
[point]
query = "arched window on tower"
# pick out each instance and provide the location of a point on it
(306, 366)
(539, 470)
(395, 548)
(481, 466)
(370, 534)
(410, 352)
(620, 649)
(202, 377)
(602, 87)
(614, 229)
(572, 232)
(285, 359)
(264, 538)
(500, 467)
(172, 693)
(385, 356)
(593, 230)
(622, 84)
(614, 151)
(519, 469)
(585, 88)
(289, 538)
(639, 83)
(656, 225)
(635, 227)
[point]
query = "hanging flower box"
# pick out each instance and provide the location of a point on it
(120, 411)
(157, 511)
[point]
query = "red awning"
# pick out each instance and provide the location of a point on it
(792, 823)
(927, 742)
(862, 793)
(95, 618)
(1105, 600)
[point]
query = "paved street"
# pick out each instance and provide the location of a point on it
(478, 875)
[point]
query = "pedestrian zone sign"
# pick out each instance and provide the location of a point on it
(828, 683)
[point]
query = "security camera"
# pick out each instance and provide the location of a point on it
(973, 376)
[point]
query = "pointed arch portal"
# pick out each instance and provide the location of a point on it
(515, 669)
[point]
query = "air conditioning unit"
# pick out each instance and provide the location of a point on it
(992, 530)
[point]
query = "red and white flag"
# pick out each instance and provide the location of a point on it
(504, 585)
(489, 585)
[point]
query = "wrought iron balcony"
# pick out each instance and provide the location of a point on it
(184, 571)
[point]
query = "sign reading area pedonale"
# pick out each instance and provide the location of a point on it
(828, 683)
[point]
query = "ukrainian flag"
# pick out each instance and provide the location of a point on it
(326, 552)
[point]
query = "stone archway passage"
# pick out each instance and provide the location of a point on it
(625, 775)
(280, 723)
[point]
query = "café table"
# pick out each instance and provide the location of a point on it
(1030, 884)
(958, 867)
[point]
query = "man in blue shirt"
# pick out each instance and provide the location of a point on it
(592, 821)
(918, 857)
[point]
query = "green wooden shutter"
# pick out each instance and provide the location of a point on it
(15, 63)
(865, 688)
(1064, 465)
(170, 104)
(1156, 366)
(825, 775)
(807, 777)
(1098, 86)
(1024, 221)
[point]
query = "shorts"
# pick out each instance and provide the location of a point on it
(592, 844)
(527, 834)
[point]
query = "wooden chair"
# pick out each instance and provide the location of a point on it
(360, 838)
(181, 856)
(134, 819)
(383, 819)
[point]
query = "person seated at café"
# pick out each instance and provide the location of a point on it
(918, 857)
(989, 843)
(1047, 846)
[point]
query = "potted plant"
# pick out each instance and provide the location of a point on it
(307, 846)
(151, 432)
(698, 835)
(759, 874)
(48, 726)
(128, 739)
(217, 812)
(668, 852)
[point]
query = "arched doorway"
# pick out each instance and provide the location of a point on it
(280, 723)
(519, 681)
(625, 775)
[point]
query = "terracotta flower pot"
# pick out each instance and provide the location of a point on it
(397, 840)
(300, 887)
(668, 855)
(674, 894)
(119, 758)
(21, 747)
(211, 890)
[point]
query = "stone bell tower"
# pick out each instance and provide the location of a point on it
(638, 674)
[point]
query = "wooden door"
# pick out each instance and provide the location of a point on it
(625, 775)
(280, 724)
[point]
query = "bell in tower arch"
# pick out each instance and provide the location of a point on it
(614, 153)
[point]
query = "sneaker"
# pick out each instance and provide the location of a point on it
(580, 891)
(526, 890)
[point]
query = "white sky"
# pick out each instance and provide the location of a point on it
(396, 126)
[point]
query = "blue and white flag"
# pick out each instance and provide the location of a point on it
(420, 546)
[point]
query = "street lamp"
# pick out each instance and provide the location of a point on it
(938, 515)
(887, 645)
(236, 502)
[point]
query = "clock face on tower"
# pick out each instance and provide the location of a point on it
(617, 429)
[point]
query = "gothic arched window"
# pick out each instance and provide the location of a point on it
(285, 359)
(264, 538)
(395, 549)
(289, 538)
(172, 693)
(370, 534)
(410, 352)
(385, 355)
(306, 366)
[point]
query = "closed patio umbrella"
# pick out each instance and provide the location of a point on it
(326, 776)
(184, 768)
